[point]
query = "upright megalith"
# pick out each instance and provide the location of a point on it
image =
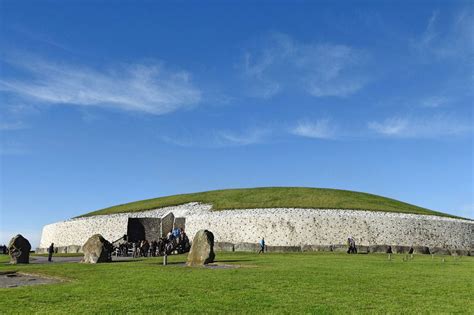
(167, 224)
(202, 249)
(180, 223)
(97, 250)
(19, 249)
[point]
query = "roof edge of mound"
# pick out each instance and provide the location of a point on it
(215, 199)
(382, 212)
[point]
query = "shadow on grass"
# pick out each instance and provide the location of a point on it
(126, 261)
(169, 263)
(176, 263)
(232, 260)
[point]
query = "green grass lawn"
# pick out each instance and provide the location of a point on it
(59, 255)
(276, 197)
(270, 283)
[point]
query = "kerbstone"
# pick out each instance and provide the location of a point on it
(401, 249)
(379, 249)
(41, 250)
(339, 248)
(224, 247)
(246, 247)
(283, 249)
(439, 251)
(459, 252)
(421, 250)
(73, 249)
(316, 248)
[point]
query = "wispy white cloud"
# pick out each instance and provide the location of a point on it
(220, 138)
(435, 101)
(320, 129)
(429, 35)
(148, 88)
(8, 147)
(320, 69)
(18, 125)
(427, 127)
(177, 140)
(246, 137)
(454, 41)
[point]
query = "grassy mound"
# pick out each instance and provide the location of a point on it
(276, 197)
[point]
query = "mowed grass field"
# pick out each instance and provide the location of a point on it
(276, 197)
(269, 283)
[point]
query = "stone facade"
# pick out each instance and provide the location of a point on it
(284, 227)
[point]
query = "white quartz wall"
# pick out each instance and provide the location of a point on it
(297, 227)
(76, 232)
(111, 227)
(282, 227)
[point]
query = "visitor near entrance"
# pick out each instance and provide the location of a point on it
(170, 235)
(50, 252)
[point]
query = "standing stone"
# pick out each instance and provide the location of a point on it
(180, 223)
(167, 224)
(202, 249)
(97, 250)
(19, 249)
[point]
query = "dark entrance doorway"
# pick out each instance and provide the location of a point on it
(143, 229)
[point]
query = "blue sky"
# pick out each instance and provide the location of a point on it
(103, 103)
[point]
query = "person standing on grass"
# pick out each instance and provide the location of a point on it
(262, 246)
(352, 246)
(50, 252)
(134, 250)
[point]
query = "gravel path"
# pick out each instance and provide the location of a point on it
(11, 279)
(59, 260)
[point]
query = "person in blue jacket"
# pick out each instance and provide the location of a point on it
(262, 246)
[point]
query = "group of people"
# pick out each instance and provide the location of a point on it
(175, 241)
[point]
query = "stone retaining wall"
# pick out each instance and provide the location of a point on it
(293, 228)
